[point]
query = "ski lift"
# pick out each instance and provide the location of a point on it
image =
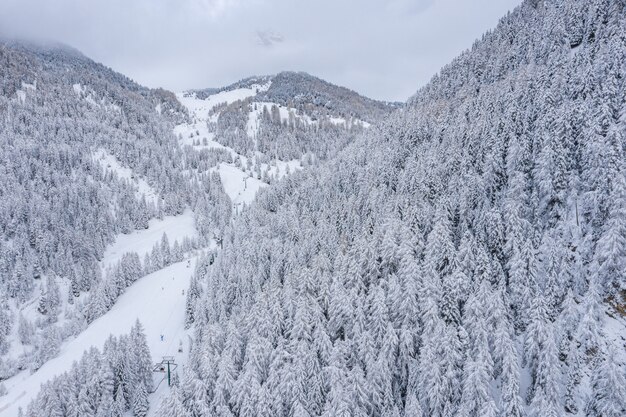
(166, 366)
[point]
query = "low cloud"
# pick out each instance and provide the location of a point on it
(268, 38)
(385, 50)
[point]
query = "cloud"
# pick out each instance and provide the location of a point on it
(410, 6)
(385, 50)
(268, 38)
(213, 8)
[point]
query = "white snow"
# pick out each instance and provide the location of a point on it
(575, 50)
(21, 96)
(142, 241)
(89, 99)
(111, 106)
(256, 109)
(348, 123)
(158, 108)
(83, 91)
(200, 108)
(157, 300)
(78, 89)
(252, 127)
(281, 166)
(27, 86)
(109, 162)
(240, 187)
(615, 330)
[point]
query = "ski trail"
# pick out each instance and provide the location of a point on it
(154, 299)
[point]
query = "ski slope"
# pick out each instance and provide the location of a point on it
(141, 241)
(240, 186)
(157, 300)
(199, 111)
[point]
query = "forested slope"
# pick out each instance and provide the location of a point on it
(84, 156)
(89, 160)
(464, 258)
(290, 115)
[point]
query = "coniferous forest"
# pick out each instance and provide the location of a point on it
(460, 254)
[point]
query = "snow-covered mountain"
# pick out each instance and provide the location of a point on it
(284, 116)
(299, 250)
(90, 183)
(113, 194)
(466, 257)
(311, 95)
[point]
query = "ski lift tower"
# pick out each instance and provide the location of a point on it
(167, 365)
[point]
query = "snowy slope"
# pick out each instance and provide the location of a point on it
(200, 108)
(238, 185)
(141, 241)
(157, 300)
(110, 163)
(287, 113)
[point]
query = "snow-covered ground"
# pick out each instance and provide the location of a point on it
(615, 329)
(286, 113)
(109, 162)
(199, 111)
(157, 300)
(141, 241)
(238, 185)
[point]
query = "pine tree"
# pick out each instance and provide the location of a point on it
(6, 320)
(608, 385)
(141, 358)
(512, 404)
(589, 326)
(119, 406)
(611, 248)
(165, 250)
(85, 406)
(140, 401)
(536, 337)
(546, 398)
(147, 264)
(479, 365)
(573, 379)
(177, 253)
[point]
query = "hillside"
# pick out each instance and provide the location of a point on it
(86, 163)
(286, 116)
(299, 250)
(300, 90)
(107, 191)
(466, 257)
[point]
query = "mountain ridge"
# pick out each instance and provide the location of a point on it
(304, 83)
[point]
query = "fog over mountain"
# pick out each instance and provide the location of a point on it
(384, 50)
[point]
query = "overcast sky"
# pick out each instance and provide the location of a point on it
(385, 49)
